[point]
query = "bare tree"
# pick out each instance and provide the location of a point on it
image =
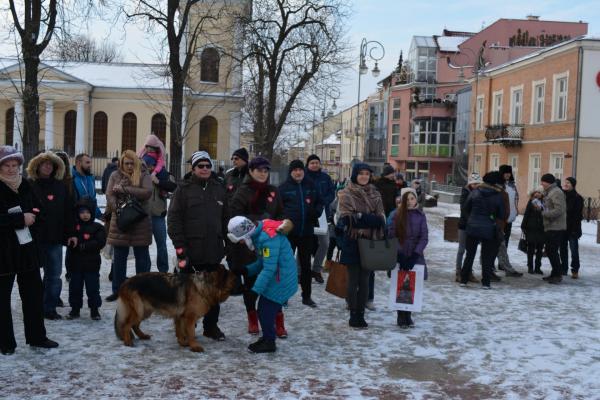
(82, 48)
(287, 44)
(35, 30)
(182, 24)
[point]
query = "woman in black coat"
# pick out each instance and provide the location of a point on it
(18, 209)
(533, 229)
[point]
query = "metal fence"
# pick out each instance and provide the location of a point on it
(591, 209)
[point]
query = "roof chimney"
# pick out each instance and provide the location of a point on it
(531, 17)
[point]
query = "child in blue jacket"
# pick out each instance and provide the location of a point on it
(275, 267)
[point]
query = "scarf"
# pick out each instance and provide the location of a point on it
(360, 199)
(12, 182)
(258, 202)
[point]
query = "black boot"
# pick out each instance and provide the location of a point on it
(73, 314)
(401, 320)
(357, 320)
(530, 270)
(95, 314)
(214, 333)
(409, 320)
(262, 345)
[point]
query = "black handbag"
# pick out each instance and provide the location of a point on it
(378, 255)
(523, 244)
(129, 212)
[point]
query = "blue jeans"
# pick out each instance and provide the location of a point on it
(91, 280)
(572, 243)
(159, 230)
(52, 262)
(267, 310)
(142, 263)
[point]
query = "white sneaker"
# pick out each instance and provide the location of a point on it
(370, 306)
(484, 287)
(463, 285)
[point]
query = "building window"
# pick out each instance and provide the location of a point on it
(129, 132)
(395, 140)
(432, 137)
(159, 127)
(422, 59)
(332, 155)
(479, 113)
(208, 135)
(100, 134)
(513, 161)
(69, 132)
(209, 65)
(516, 106)
(535, 171)
(539, 93)
(9, 126)
(556, 164)
(396, 109)
(559, 101)
(477, 163)
(497, 112)
(494, 162)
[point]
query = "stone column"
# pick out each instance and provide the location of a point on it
(18, 125)
(49, 135)
(235, 119)
(79, 135)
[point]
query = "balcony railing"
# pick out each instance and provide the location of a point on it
(507, 135)
(430, 150)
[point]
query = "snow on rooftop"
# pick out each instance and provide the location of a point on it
(450, 43)
(332, 139)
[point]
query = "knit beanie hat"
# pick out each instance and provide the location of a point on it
(312, 157)
(493, 178)
(548, 178)
(405, 190)
(200, 156)
(388, 169)
(474, 179)
(572, 180)
(259, 162)
(295, 164)
(241, 153)
(357, 168)
(241, 228)
(10, 153)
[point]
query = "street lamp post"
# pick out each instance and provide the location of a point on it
(332, 93)
(366, 49)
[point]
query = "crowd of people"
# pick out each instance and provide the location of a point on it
(265, 233)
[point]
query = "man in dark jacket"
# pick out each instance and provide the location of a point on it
(301, 205)
(111, 167)
(56, 224)
(197, 225)
(84, 182)
(484, 208)
(162, 185)
(386, 185)
(472, 184)
(573, 232)
(235, 176)
(326, 190)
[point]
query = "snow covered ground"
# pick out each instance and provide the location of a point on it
(523, 339)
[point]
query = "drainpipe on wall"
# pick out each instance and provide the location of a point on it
(577, 110)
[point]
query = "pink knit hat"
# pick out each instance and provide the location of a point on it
(154, 141)
(10, 153)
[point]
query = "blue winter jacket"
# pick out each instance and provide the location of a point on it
(325, 187)
(483, 207)
(276, 266)
(85, 186)
(301, 204)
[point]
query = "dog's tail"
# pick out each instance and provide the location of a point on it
(120, 317)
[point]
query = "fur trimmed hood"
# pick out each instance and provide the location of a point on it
(59, 166)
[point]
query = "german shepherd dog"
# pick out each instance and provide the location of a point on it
(184, 297)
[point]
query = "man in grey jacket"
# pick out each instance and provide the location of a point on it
(554, 213)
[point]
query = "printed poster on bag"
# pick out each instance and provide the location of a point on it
(406, 289)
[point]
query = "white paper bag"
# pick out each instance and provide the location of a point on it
(23, 235)
(322, 229)
(406, 289)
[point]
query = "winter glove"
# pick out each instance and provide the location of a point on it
(407, 263)
(369, 220)
(182, 260)
(286, 227)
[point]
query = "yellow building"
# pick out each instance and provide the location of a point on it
(105, 108)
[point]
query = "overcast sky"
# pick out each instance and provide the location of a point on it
(391, 22)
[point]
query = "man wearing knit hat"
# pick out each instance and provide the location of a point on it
(301, 205)
(235, 176)
(326, 191)
(554, 213)
(197, 223)
(574, 203)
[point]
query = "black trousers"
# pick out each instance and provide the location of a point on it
(537, 250)
(31, 292)
(358, 287)
(552, 241)
(212, 316)
(489, 251)
(331, 248)
(507, 230)
(304, 244)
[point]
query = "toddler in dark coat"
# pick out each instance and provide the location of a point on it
(84, 261)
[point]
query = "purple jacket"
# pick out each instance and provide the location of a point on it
(416, 237)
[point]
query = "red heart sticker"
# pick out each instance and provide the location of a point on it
(272, 194)
(270, 199)
(77, 227)
(307, 201)
(50, 197)
(230, 187)
(86, 236)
